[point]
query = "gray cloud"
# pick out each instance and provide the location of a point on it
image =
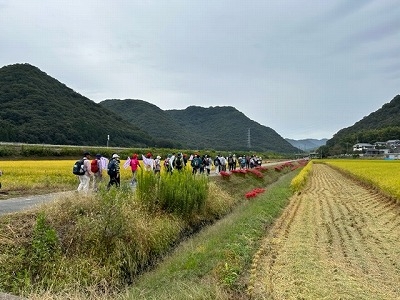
(305, 69)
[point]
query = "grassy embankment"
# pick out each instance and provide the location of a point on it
(96, 245)
(215, 263)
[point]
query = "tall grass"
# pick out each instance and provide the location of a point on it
(178, 193)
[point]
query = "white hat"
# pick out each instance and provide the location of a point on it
(115, 156)
(158, 157)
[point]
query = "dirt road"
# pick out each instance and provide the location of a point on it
(335, 240)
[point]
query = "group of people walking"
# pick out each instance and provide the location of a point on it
(92, 170)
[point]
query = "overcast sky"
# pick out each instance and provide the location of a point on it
(304, 68)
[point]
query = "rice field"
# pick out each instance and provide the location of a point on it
(33, 176)
(382, 174)
(337, 238)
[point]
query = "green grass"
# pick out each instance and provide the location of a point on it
(214, 264)
(97, 245)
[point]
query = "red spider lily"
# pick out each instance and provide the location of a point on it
(239, 171)
(254, 193)
(261, 169)
(250, 195)
(256, 173)
(225, 174)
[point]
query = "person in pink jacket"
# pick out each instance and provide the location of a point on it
(134, 164)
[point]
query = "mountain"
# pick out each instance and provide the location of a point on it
(149, 118)
(379, 126)
(219, 128)
(307, 144)
(36, 108)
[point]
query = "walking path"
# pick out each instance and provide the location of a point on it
(21, 203)
(26, 202)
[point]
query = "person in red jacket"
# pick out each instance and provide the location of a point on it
(134, 164)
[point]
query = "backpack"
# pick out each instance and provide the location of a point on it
(196, 162)
(111, 168)
(158, 165)
(178, 162)
(166, 162)
(216, 161)
(78, 169)
(94, 166)
(206, 162)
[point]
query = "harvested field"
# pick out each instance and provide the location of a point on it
(336, 240)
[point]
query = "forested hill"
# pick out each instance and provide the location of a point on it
(220, 128)
(36, 108)
(379, 126)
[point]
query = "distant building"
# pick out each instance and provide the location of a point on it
(376, 152)
(362, 147)
(391, 144)
(380, 145)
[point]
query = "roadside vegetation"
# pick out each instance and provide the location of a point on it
(95, 246)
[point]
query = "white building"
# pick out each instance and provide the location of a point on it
(359, 147)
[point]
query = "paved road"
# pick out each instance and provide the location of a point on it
(21, 203)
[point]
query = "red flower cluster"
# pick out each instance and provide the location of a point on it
(292, 166)
(261, 169)
(254, 193)
(225, 174)
(239, 171)
(256, 173)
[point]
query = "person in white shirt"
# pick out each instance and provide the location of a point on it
(84, 179)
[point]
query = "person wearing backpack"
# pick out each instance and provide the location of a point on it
(84, 175)
(217, 164)
(113, 170)
(157, 165)
(230, 161)
(179, 163)
(207, 162)
(166, 164)
(97, 171)
(196, 162)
